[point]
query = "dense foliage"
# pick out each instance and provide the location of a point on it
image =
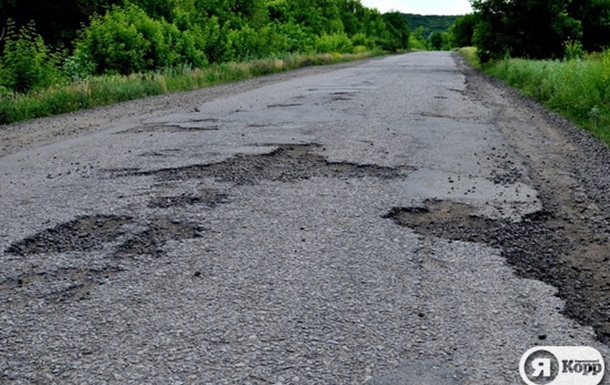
(539, 29)
(73, 39)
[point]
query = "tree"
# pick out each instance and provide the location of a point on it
(417, 41)
(399, 29)
(56, 21)
(436, 40)
(535, 29)
(462, 30)
(156, 9)
(594, 16)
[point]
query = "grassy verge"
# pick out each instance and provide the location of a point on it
(576, 89)
(105, 90)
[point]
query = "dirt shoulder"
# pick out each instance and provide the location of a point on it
(566, 245)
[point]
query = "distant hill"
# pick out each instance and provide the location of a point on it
(431, 23)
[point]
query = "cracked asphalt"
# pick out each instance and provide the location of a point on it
(402, 220)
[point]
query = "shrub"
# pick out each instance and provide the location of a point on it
(248, 43)
(299, 38)
(126, 40)
(573, 50)
(337, 42)
(27, 63)
(361, 40)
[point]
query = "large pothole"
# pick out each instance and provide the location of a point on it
(287, 163)
(124, 239)
(89, 233)
(535, 247)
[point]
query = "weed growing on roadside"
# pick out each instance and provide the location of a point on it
(579, 89)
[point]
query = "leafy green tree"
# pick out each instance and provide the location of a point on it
(352, 14)
(299, 38)
(462, 30)
(417, 41)
(156, 9)
(57, 21)
(398, 28)
(523, 28)
(436, 40)
(594, 16)
(430, 23)
(248, 43)
(217, 37)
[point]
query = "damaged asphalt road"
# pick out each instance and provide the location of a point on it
(403, 220)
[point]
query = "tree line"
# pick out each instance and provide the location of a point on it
(44, 43)
(535, 29)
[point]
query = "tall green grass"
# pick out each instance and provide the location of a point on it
(111, 89)
(577, 89)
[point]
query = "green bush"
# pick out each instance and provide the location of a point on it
(361, 40)
(126, 40)
(216, 38)
(573, 50)
(299, 38)
(77, 67)
(337, 42)
(27, 63)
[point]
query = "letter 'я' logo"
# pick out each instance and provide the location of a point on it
(562, 365)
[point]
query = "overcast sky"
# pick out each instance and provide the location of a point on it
(423, 7)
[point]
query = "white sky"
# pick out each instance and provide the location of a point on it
(423, 7)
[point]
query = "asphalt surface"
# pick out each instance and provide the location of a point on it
(396, 221)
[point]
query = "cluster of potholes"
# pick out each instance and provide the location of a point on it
(125, 237)
(532, 246)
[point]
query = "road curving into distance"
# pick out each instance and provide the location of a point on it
(397, 220)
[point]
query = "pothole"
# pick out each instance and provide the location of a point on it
(171, 128)
(121, 237)
(81, 234)
(287, 163)
(205, 124)
(533, 247)
(89, 233)
(151, 239)
(211, 198)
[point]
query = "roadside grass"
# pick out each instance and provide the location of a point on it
(577, 89)
(111, 89)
